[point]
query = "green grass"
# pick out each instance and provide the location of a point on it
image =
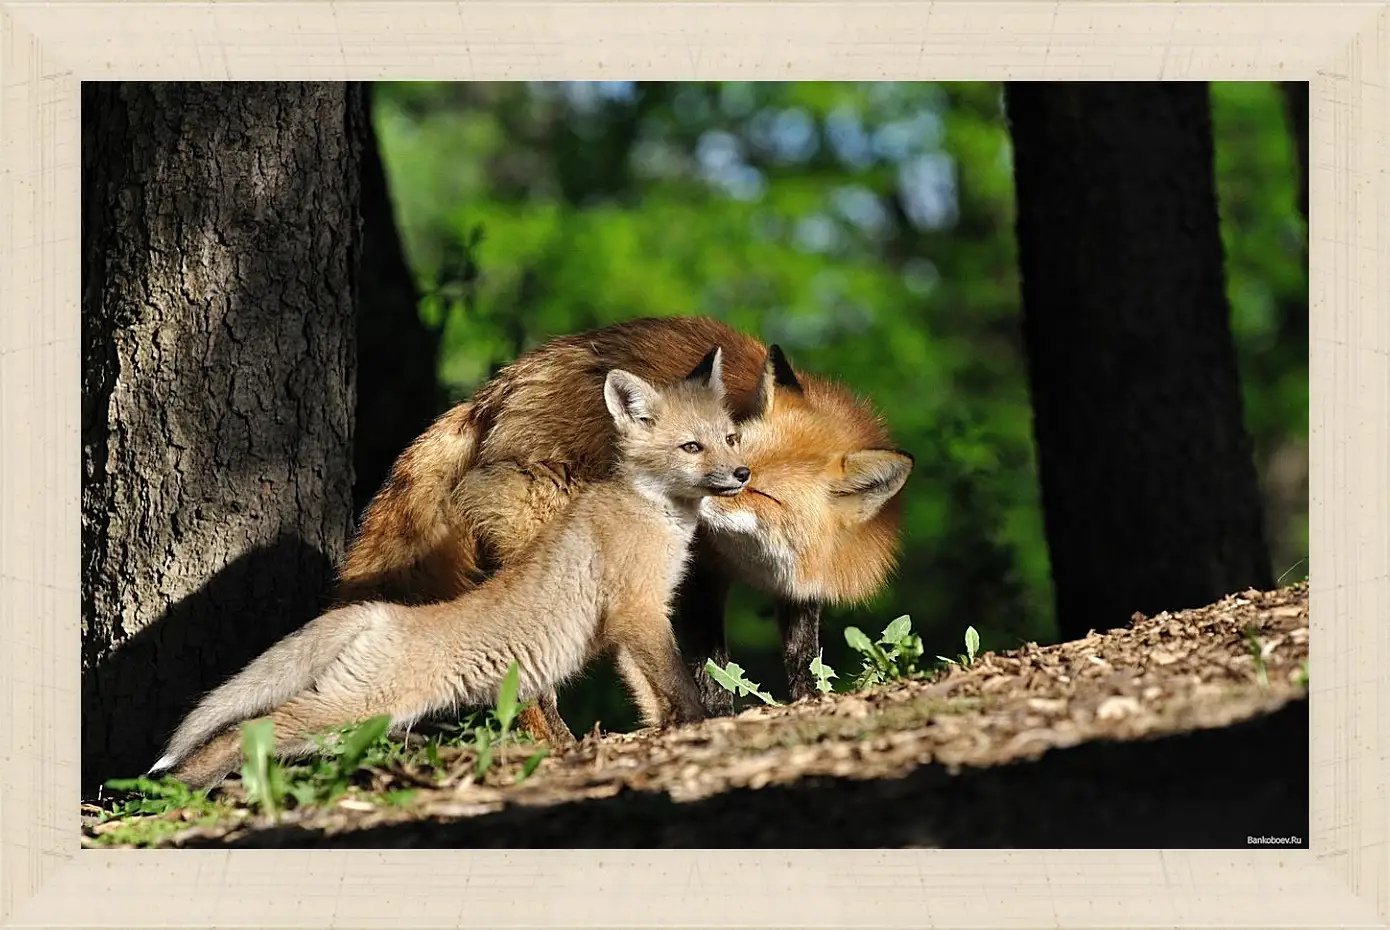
(343, 765)
(156, 808)
(365, 745)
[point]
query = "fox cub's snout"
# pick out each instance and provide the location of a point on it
(680, 438)
(727, 481)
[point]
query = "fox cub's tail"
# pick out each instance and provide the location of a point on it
(278, 674)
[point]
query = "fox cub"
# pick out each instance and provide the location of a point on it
(600, 579)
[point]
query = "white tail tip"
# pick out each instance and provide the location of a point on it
(164, 764)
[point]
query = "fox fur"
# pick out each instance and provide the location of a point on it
(598, 580)
(819, 523)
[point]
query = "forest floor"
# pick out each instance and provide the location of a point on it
(1188, 729)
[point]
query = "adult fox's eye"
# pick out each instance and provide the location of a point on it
(692, 447)
(731, 439)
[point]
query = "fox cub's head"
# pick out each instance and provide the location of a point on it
(819, 520)
(678, 440)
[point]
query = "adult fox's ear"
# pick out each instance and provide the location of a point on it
(871, 478)
(777, 373)
(710, 371)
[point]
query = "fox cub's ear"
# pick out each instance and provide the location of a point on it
(710, 371)
(872, 477)
(777, 373)
(630, 399)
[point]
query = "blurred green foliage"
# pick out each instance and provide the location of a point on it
(868, 229)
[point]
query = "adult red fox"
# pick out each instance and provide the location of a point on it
(599, 579)
(818, 523)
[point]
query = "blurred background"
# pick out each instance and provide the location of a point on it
(868, 229)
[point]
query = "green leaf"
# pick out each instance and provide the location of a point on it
(304, 793)
(506, 697)
(731, 678)
(357, 741)
(858, 641)
(728, 680)
(897, 631)
(972, 642)
(529, 767)
(258, 750)
(822, 672)
(484, 745)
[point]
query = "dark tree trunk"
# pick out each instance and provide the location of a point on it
(1148, 487)
(397, 385)
(220, 248)
(1296, 111)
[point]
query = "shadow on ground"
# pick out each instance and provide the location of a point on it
(1204, 789)
(135, 697)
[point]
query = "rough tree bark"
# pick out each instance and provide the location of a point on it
(220, 248)
(1149, 492)
(397, 384)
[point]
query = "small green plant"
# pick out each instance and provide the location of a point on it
(483, 746)
(505, 713)
(823, 673)
(261, 773)
(342, 753)
(157, 808)
(528, 767)
(1257, 652)
(506, 697)
(892, 658)
(152, 796)
(464, 733)
(731, 678)
(972, 648)
(350, 752)
(1302, 678)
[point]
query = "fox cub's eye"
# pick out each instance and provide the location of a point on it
(692, 447)
(731, 439)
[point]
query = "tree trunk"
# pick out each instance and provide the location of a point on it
(1148, 487)
(397, 384)
(220, 248)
